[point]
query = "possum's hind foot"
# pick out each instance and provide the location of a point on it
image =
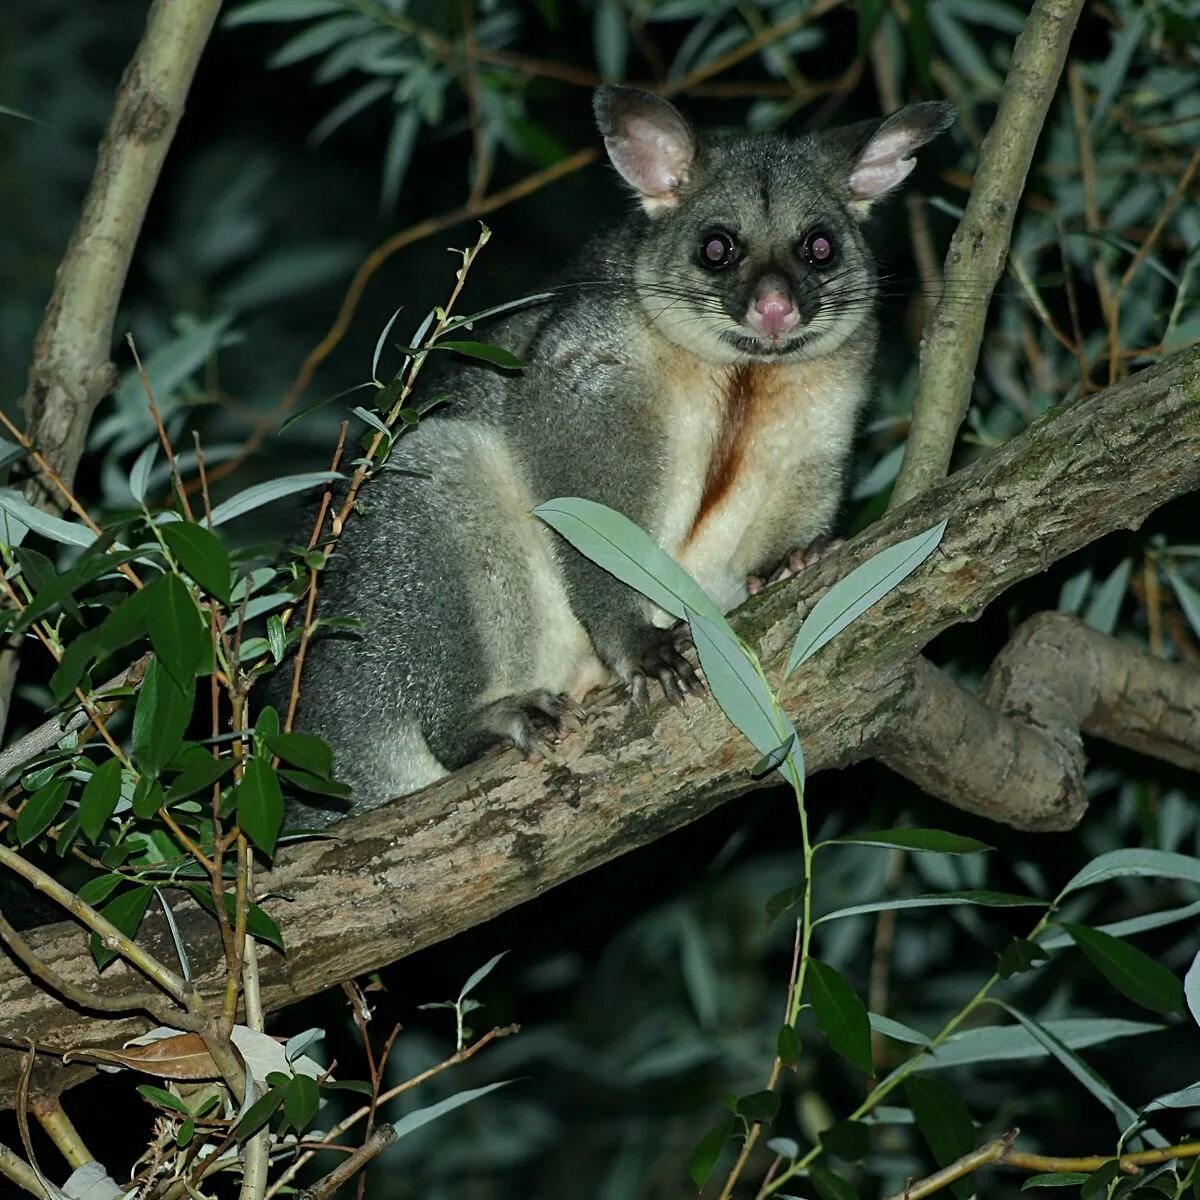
(664, 661)
(532, 721)
(795, 562)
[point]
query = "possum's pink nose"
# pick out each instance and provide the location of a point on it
(774, 313)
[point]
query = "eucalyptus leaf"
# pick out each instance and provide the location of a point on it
(422, 1116)
(850, 597)
(264, 493)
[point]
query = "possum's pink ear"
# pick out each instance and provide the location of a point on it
(886, 159)
(649, 143)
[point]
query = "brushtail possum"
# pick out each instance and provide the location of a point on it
(700, 369)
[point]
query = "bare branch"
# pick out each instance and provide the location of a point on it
(980, 246)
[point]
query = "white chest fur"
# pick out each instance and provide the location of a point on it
(755, 454)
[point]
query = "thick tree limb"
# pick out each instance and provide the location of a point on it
(1015, 752)
(71, 373)
(503, 830)
(979, 249)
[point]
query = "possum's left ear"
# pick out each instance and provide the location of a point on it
(883, 157)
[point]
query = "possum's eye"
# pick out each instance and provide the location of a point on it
(820, 249)
(717, 250)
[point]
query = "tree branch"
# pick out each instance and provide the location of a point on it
(978, 251)
(504, 830)
(1056, 680)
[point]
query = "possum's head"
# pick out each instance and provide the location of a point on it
(752, 246)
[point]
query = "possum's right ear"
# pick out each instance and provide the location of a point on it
(649, 143)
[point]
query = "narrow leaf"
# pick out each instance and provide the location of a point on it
(263, 493)
(1156, 864)
(708, 1150)
(1134, 974)
(160, 718)
(942, 900)
(944, 1121)
(850, 597)
(934, 841)
(478, 976)
(175, 628)
(422, 1116)
(125, 912)
(615, 543)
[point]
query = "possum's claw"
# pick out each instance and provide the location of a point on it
(666, 663)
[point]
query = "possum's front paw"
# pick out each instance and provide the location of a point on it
(664, 661)
(795, 562)
(533, 721)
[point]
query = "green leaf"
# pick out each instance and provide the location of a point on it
(301, 1100)
(38, 812)
(202, 555)
(1105, 606)
(1064, 1179)
(264, 493)
(479, 975)
(175, 626)
(780, 902)
(850, 597)
(185, 1133)
(1189, 599)
(124, 624)
(934, 841)
(148, 798)
(303, 750)
(897, 1030)
(160, 718)
(1099, 1088)
(314, 783)
(161, 1096)
(942, 900)
(787, 1044)
(281, 10)
(260, 805)
(59, 588)
(259, 1113)
(1097, 1183)
(615, 543)
(1134, 974)
(276, 637)
(97, 890)
(1156, 864)
(759, 1107)
(848, 1140)
(200, 772)
(1020, 956)
(944, 1122)
(841, 1015)
(99, 799)
(496, 355)
(829, 1185)
(125, 912)
(737, 684)
(1008, 1043)
(1191, 988)
(422, 1116)
(23, 516)
(258, 924)
(708, 1150)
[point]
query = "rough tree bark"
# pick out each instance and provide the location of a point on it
(502, 831)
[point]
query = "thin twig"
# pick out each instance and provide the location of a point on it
(349, 1122)
(379, 1141)
(164, 441)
